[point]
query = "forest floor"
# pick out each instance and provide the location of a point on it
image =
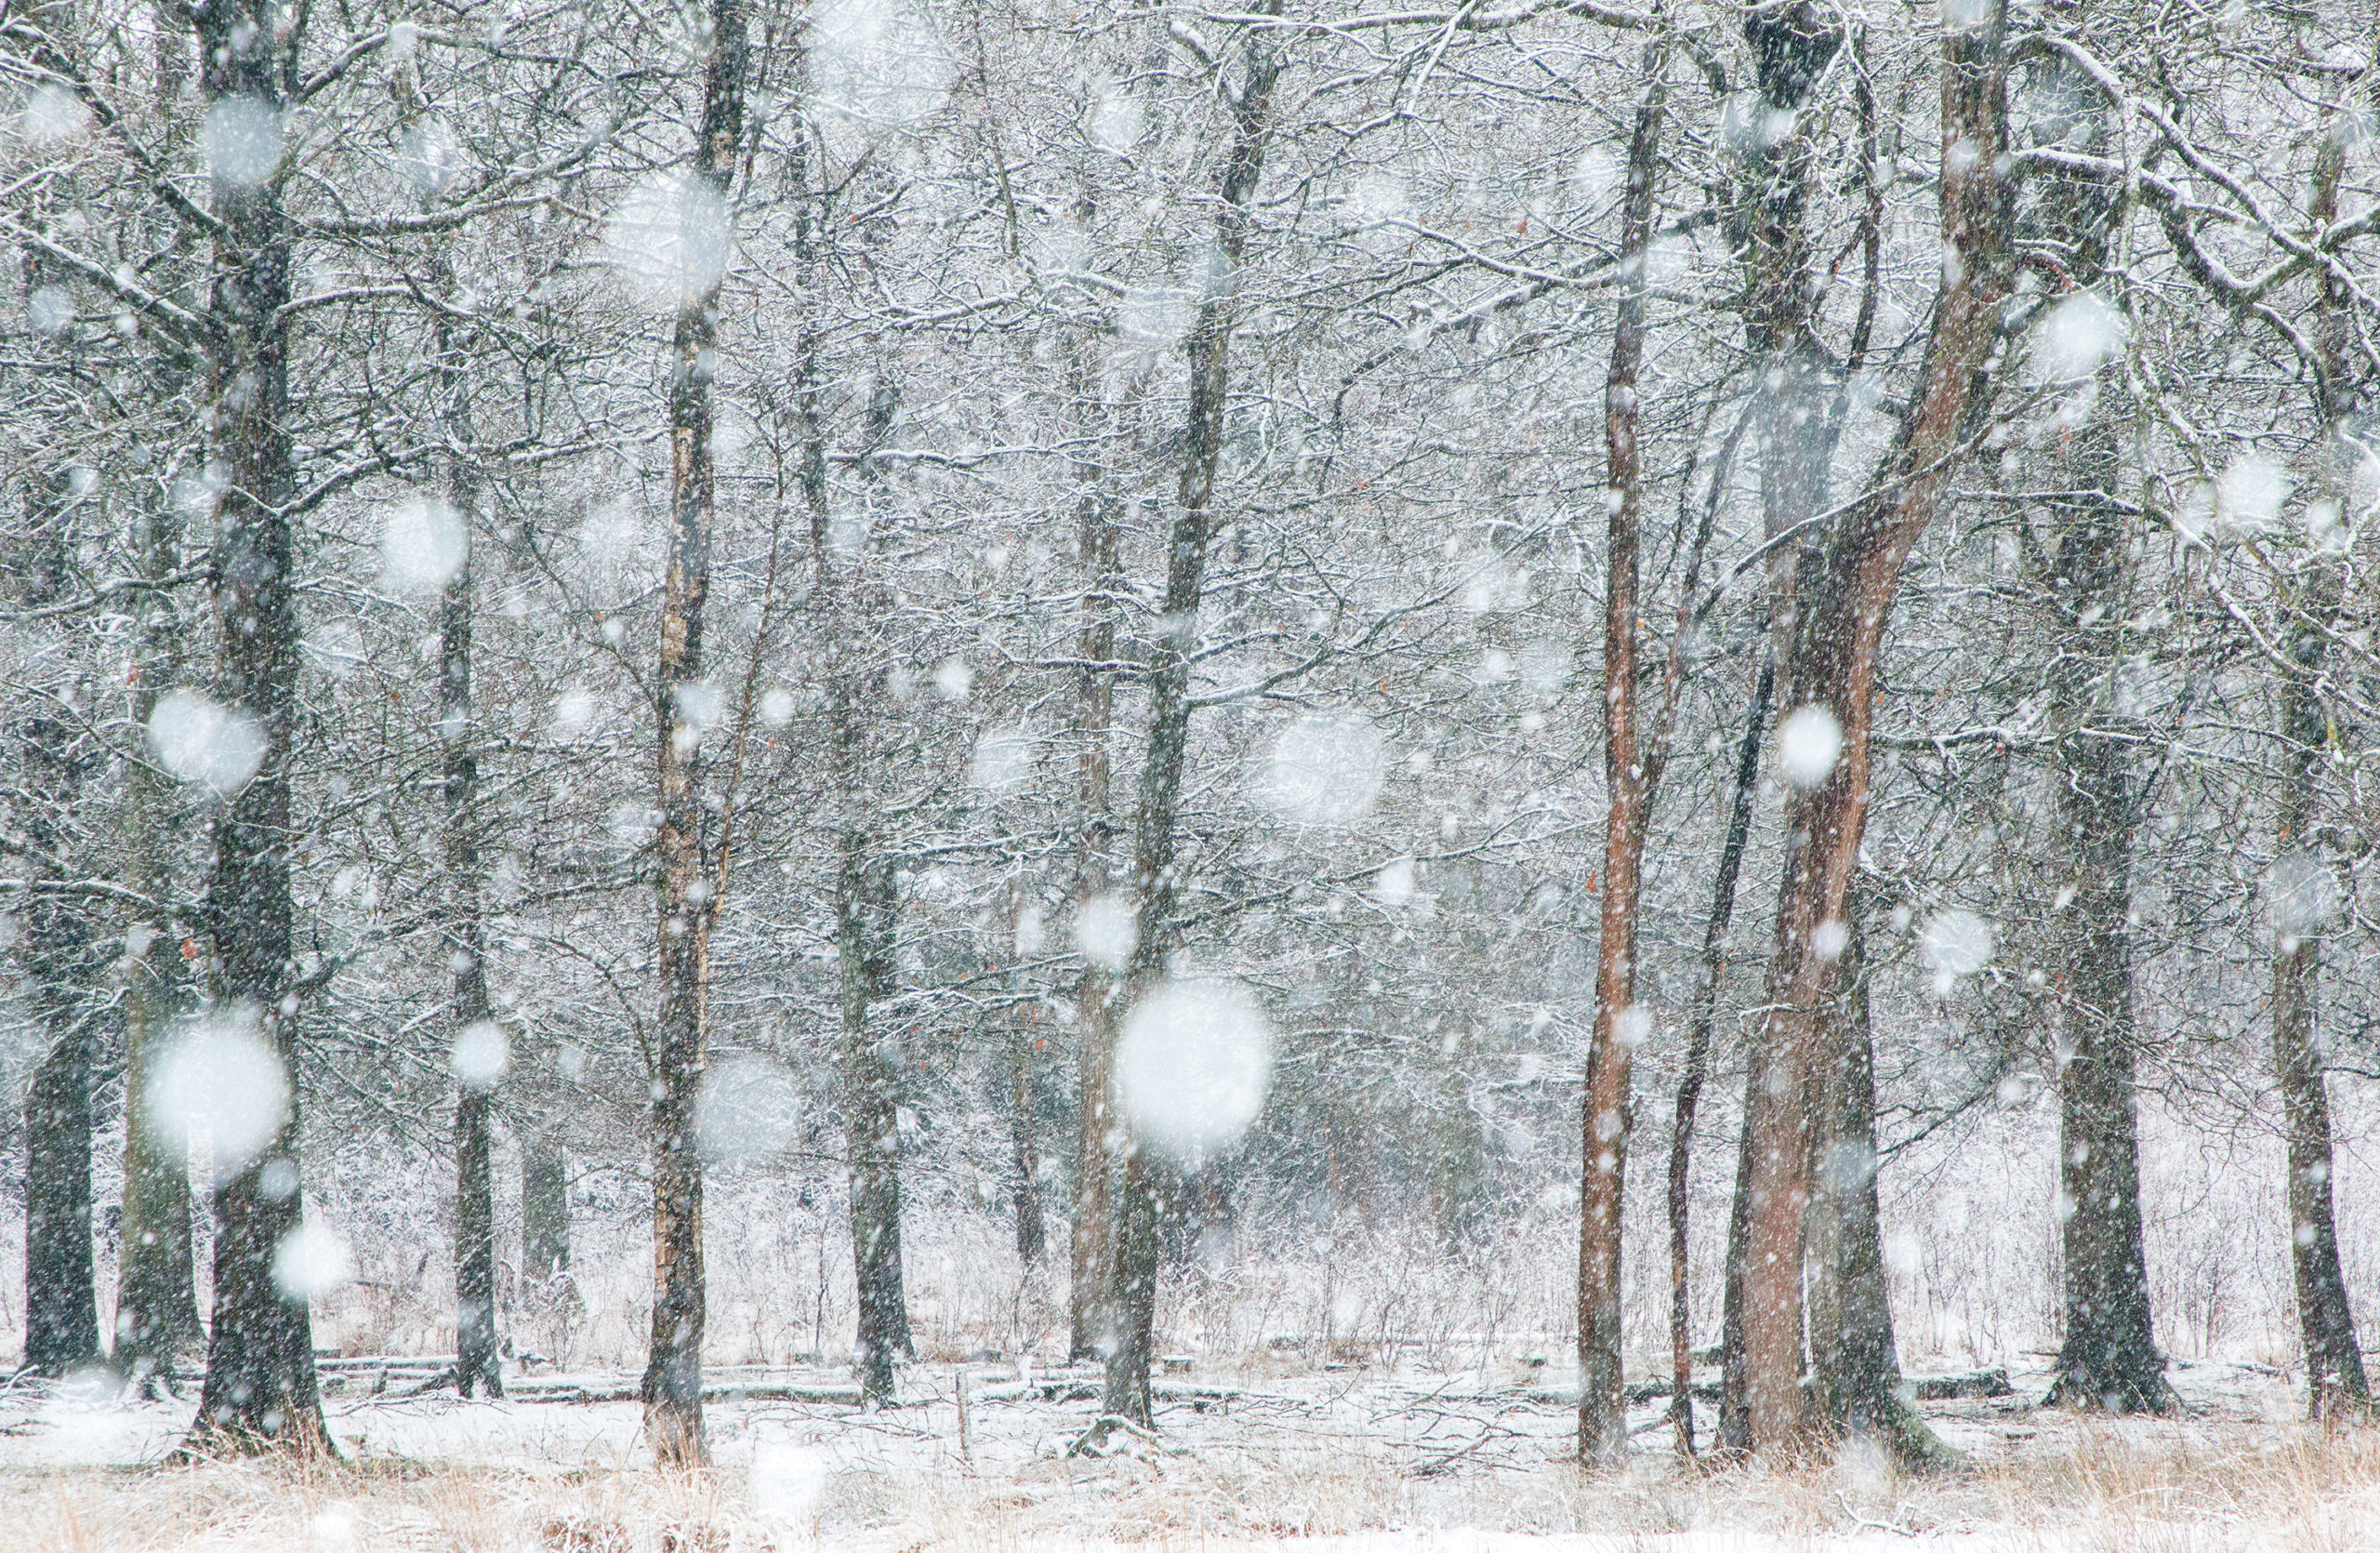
(1353, 1458)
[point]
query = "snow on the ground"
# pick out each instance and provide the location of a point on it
(1340, 1459)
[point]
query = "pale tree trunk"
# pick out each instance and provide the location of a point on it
(156, 1303)
(2335, 1373)
(1836, 645)
(261, 1385)
(687, 840)
(1090, 1325)
(1155, 883)
(1630, 775)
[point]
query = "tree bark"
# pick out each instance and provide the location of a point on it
(1155, 883)
(545, 1206)
(686, 839)
(1090, 1323)
(156, 1319)
(475, 1330)
(1696, 1071)
(1835, 650)
(2335, 1382)
(260, 1385)
(1608, 1115)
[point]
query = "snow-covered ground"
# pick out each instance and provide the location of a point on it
(1343, 1458)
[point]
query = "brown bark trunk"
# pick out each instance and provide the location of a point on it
(686, 841)
(1837, 646)
(1607, 1116)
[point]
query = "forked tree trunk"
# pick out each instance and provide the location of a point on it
(1837, 646)
(260, 1385)
(1631, 774)
(686, 839)
(1155, 883)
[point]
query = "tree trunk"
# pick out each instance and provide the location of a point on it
(1836, 645)
(1155, 883)
(475, 1333)
(2108, 1358)
(2335, 1382)
(157, 1307)
(1697, 1066)
(1090, 1323)
(1855, 1360)
(673, 1381)
(61, 1297)
(1024, 1154)
(1608, 1115)
(545, 1206)
(260, 1387)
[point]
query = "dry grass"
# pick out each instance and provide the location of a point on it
(2087, 1486)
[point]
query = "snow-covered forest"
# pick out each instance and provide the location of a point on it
(1658, 709)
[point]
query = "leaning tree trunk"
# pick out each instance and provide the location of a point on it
(1156, 885)
(673, 1378)
(1630, 776)
(260, 1385)
(2334, 1375)
(1837, 646)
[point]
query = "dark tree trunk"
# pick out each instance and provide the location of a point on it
(1836, 645)
(1155, 883)
(1630, 776)
(1855, 1360)
(260, 1387)
(2109, 1357)
(687, 840)
(1025, 1153)
(62, 1295)
(1696, 1071)
(545, 1206)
